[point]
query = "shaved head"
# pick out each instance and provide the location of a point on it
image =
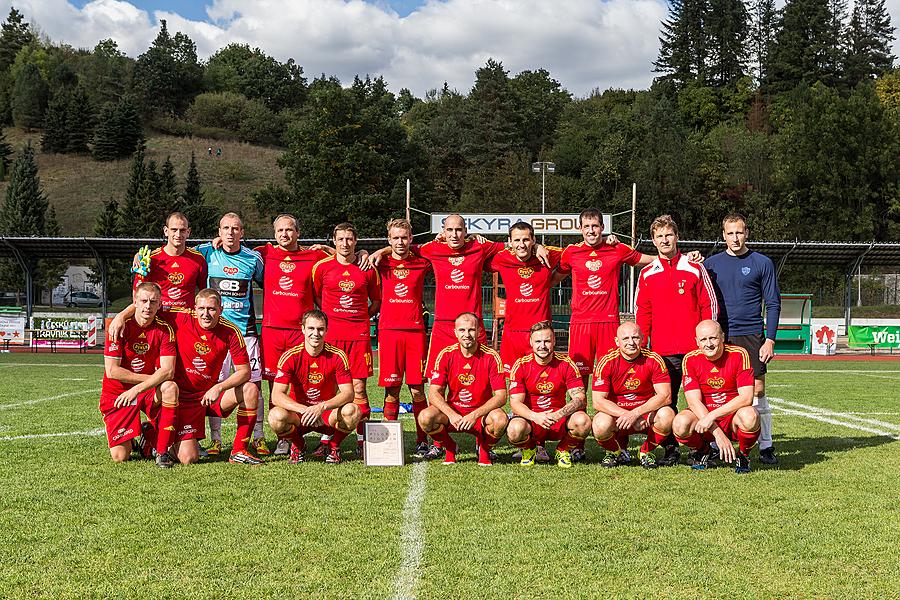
(627, 328)
(709, 327)
(629, 340)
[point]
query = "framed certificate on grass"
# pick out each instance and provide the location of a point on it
(384, 444)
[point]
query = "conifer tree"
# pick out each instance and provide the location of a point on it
(869, 38)
(56, 135)
(6, 153)
(79, 122)
(727, 25)
(683, 51)
(16, 33)
(130, 223)
(29, 98)
(763, 16)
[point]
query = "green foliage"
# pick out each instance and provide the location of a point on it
(107, 73)
(29, 98)
(252, 120)
(238, 69)
(201, 215)
(16, 33)
(168, 75)
(56, 136)
(869, 38)
(808, 45)
(118, 131)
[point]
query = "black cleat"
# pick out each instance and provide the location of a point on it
(671, 457)
(164, 461)
(703, 460)
(578, 455)
(421, 450)
(767, 456)
(741, 463)
(296, 455)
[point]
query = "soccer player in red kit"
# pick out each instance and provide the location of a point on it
(537, 396)
(528, 282)
(313, 391)
(472, 376)
(287, 295)
(138, 368)
(631, 394)
(178, 270)
(718, 385)
(401, 327)
(349, 296)
(204, 340)
(673, 295)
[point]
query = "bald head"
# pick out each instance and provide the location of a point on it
(466, 330)
(710, 339)
(629, 340)
(455, 231)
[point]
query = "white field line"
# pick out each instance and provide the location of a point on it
(831, 371)
(824, 419)
(412, 540)
(39, 400)
(52, 435)
(53, 365)
(843, 415)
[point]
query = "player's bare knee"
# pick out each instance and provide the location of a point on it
(188, 454)
(747, 418)
(496, 422)
(250, 393)
(683, 423)
(603, 426)
(392, 394)
(120, 453)
(580, 424)
(278, 419)
(428, 419)
(416, 392)
(517, 431)
(664, 417)
(168, 391)
(351, 415)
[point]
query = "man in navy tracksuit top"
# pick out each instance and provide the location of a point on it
(745, 280)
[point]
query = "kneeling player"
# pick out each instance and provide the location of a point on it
(718, 386)
(138, 368)
(473, 374)
(313, 391)
(538, 384)
(204, 340)
(631, 395)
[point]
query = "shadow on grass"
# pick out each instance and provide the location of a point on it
(795, 454)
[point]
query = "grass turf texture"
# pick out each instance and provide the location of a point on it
(822, 524)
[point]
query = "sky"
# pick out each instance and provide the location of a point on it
(417, 44)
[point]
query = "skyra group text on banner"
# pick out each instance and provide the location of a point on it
(497, 224)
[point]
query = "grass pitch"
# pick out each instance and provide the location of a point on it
(824, 523)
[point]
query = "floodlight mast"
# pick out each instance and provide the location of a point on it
(543, 167)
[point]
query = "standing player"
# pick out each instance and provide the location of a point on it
(537, 396)
(178, 270)
(287, 295)
(673, 295)
(232, 270)
(401, 327)
(138, 372)
(718, 385)
(631, 395)
(746, 281)
(528, 283)
(204, 341)
(349, 296)
(472, 375)
(313, 391)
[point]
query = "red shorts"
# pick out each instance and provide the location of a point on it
(443, 335)
(477, 428)
(727, 426)
(555, 434)
(514, 345)
(589, 342)
(273, 343)
(648, 418)
(190, 416)
(401, 352)
(124, 424)
(325, 429)
(359, 353)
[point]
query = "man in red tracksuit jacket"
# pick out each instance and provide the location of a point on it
(673, 295)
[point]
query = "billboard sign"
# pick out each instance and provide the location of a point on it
(499, 224)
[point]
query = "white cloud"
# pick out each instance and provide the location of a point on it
(583, 43)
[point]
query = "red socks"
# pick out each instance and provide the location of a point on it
(363, 403)
(418, 407)
(653, 440)
(747, 439)
(695, 441)
(391, 410)
(568, 442)
(246, 419)
(446, 441)
(166, 427)
(610, 444)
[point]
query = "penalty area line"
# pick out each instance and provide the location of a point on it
(841, 415)
(34, 436)
(412, 541)
(49, 398)
(825, 419)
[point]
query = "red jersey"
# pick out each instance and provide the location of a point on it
(457, 275)
(718, 380)
(313, 379)
(138, 349)
(201, 352)
(287, 284)
(544, 386)
(595, 279)
(471, 381)
(178, 276)
(673, 296)
(402, 285)
(527, 287)
(344, 292)
(629, 383)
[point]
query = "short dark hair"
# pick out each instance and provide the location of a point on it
(522, 226)
(591, 213)
(150, 286)
(345, 226)
(314, 313)
(542, 326)
(734, 217)
(178, 215)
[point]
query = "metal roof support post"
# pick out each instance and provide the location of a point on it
(29, 281)
(783, 260)
(101, 263)
(849, 283)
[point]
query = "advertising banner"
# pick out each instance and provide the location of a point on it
(12, 329)
(497, 224)
(67, 332)
(874, 337)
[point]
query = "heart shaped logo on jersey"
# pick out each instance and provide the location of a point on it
(632, 384)
(466, 378)
(594, 281)
(401, 290)
(401, 273)
(230, 270)
(456, 275)
(456, 260)
(715, 382)
(346, 285)
(545, 387)
(140, 347)
(346, 301)
(525, 272)
(314, 378)
(175, 277)
(287, 266)
(285, 283)
(201, 348)
(526, 289)
(137, 365)
(593, 265)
